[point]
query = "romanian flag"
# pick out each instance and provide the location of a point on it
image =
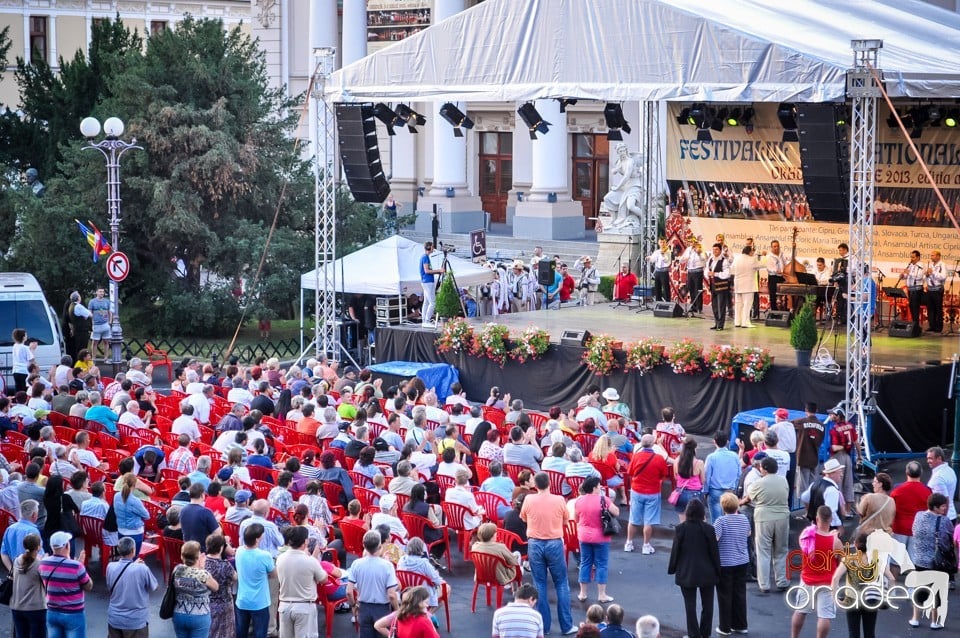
(95, 239)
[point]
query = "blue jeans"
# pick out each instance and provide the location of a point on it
(547, 556)
(594, 555)
(714, 502)
(64, 625)
(137, 538)
(191, 625)
(259, 618)
(29, 624)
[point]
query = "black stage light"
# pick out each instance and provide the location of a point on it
(733, 117)
(410, 117)
(787, 114)
(386, 115)
(613, 114)
(951, 119)
(703, 135)
(456, 117)
(698, 115)
(843, 116)
(565, 102)
(935, 114)
(747, 119)
(534, 121)
(718, 120)
(684, 116)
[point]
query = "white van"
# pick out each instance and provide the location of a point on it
(23, 305)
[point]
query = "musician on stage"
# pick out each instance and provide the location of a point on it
(661, 260)
(915, 275)
(775, 266)
(755, 310)
(623, 283)
(936, 276)
(840, 279)
(823, 279)
(718, 277)
(693, 259)
(744, 270)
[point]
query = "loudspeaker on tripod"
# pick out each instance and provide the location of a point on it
(545, 272)
(667, 309)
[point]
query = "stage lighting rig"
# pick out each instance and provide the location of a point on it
(565, 102)
(387, 115)
(787, 114)
(534, 121)
(410, 117)
(457, 118)
(613, 114)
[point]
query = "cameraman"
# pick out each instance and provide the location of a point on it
(429, 283)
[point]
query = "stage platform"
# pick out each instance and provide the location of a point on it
(625, 324)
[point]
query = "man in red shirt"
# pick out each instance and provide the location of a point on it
(647, 471)
(909, 498)
(816, 575)
(567, 285)
(624, 283)
(843, 439)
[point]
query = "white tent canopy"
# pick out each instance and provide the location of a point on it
(614, 50)
(392, 267)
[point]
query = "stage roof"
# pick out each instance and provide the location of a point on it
(617, 50)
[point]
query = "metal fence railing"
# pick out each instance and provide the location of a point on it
(245, 352)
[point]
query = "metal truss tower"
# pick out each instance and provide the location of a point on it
(863, 90)
(652, 184)
(326, 335)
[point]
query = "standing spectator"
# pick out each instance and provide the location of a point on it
(545, 515)
(909, 498)
(862, 570)
(519, 619)
(647, 471)
(271, 541)
(12, 545)
(843, 439)
(254, 566)
(22, 356)
(943, 480)
(222, 616)
(816, 575)
(412, 620)
(826, 491)
(66, 580)
(695, 561)
(373, 584)
(721, 473)
(771, 517)
(130, 511)
(27, 604)
(594, 545)
(298, 573)
(192, 585)
(689, 471)
(130, 583)
(196, 520)
(877, 509)
(733, 540)
(809, 439)
(930, 528)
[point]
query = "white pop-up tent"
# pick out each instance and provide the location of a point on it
(615, 50)
(392, 267)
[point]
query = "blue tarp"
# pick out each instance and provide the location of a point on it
(439, 376)
(751, 417)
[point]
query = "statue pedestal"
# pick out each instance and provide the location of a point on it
(626, 248)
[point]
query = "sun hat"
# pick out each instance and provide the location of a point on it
(611, 394)
(832, 465)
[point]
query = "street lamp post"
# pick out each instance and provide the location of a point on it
(112, 148)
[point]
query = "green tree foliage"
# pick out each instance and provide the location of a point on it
(448, 300)
(803, 328)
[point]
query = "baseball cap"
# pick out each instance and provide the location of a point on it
(60, 539)
(350, 369)
(759, 456)
(243, 496)
(343, 426)
(781, 413)
(228, 492)
(225, 473)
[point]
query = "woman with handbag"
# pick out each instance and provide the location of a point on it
(594, 544)
(62, 511)
(932, 547)
(192, 584)
(28, 601)
(689, 471)
(695, 561)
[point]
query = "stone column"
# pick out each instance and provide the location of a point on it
(522, 160)
(461, 211)
(549, 212)
(354, 31)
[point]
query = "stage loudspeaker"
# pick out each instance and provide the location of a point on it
(545, 272)
(360, 153)
(667, 309)
(901, 328)
(574, 338)
(825, 160)
(778, 318)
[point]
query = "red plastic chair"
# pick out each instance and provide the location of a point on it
(329, 607)
(538, 420)
(586, 442)
(231, 531)
(369, 500)
(261, 489)
(171, 555)
(414, 579)
(494, 415)
(352, 537)
(456, 515)
(415, 526)
(445, 482)
(360, 479)
(486, 576)
(333, 493)
(158, 357)
(512, 540)
(490, 502)
(571, 543)
(557, 481)
(92, 529)
(513, 471)
(260, 473)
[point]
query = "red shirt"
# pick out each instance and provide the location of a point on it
(819, 565)
(418, 626)
(909, 498)
(623, 286)
(216, 504)
(844, 434)
(567, 286)
(647, 481)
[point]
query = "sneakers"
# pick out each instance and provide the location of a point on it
(571, 631)
(647, 549)
(720, 632)
(628, 546)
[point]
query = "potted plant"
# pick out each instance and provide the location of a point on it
(531, 344)
(644, 355)
(491, 342)
(455, 336)
(686, 357)
(803, 332)
(448, 300)
(599, 357)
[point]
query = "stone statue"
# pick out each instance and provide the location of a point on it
(32, 177)
(624, 201)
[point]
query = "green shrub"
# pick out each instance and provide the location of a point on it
(803, 327)
(448, 300)
(606, 286)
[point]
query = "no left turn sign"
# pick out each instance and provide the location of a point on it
(118, 266)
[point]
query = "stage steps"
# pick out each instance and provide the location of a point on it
(507, 248)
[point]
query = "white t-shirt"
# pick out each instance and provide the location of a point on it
(85, 457)
(782, 458)
(787, 435)
(184, 424)
(943, 480)
(201, 408)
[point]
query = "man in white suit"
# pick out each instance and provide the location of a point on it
(744, 271)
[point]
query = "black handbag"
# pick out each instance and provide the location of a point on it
(945, 554)
(169, 601)
(6, 590)
(609, 522)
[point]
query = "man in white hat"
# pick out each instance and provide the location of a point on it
(613, 403)
(388, 516)
(589, 280)
(519, 281)
(825, 491)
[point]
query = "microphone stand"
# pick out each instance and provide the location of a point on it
(953, 305)
(620, 302)
(880, 278)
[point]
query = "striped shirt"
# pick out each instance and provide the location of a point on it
(733, 532)
(517, 620)
(64, 579)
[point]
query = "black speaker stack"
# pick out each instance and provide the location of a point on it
(360, 153)
(901, 328)
(574, 337)
(667, 309)
(778, 318)
(825, 159)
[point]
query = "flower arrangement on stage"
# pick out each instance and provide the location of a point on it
(723, 362)
(686, 357)
(599, 357)
(491, 342)
(644, 355)
(754, 364)
(531, 344)
(456, 336)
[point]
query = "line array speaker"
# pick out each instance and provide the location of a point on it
(360, 153)
(901, 328)
(778, 318)
(667, 309)
(825, 160)
(574, 337)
